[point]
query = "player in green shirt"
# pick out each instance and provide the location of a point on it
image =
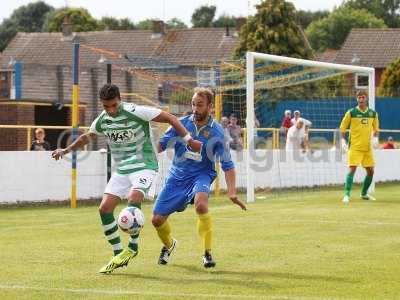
(127, 129)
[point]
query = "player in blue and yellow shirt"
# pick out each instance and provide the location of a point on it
(192, 173)
(363, 123)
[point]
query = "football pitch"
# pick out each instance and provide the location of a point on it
(308, 247)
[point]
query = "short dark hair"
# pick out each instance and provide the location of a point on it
(109, 91)
(205, 93)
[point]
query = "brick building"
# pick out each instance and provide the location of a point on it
(139, 58)
(370, 47)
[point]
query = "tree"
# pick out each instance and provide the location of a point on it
(273, 30)
(126, 24)
(146, 24)
(203, 16)
(331, 32)
(7, 33)
(175, 23)
(111, 23)
(225, 20)
(387, 10)
(390, 80)
(27, 18)
(305, 17)
(80, 19)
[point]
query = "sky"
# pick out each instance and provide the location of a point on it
(163, 9)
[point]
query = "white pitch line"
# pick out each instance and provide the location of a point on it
(343, 223)
(142, 293)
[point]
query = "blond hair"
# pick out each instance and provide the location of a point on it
(39, 130)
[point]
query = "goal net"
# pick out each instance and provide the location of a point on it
(259, 93)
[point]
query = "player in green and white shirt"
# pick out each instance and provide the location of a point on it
(127, 128)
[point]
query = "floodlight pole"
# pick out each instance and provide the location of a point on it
(109, 70)
(75, 118)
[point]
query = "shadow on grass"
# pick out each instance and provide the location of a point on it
(190, 274)
(198, 278)
(265, 274)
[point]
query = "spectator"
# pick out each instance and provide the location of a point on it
(297, 137)
(225, 124)
(256, 122)
(235, 132)
(389, 144)
(286, 121)
(39, 144)
(297, 116)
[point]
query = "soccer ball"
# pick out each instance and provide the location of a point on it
(131, 220)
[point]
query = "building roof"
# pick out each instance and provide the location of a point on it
(371, 47)
(179, 46)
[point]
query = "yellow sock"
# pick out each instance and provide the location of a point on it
(164, 233)
(204, 227)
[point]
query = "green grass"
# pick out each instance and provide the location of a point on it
(281, 248)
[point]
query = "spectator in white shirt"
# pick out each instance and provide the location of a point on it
(297, 116)
(235, 132)
(297, 137)
(225, 123)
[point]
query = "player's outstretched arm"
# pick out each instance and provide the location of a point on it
(165, 117)
(80, 142)
(230, 178)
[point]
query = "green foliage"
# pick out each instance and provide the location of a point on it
(203, 16)
(7, 32)
(26, 18)
(175, 23)
(387, 10)
(110, 23)
(306, 17)
(126, 24)
(30, 18)
(390, 81)
(225, 20)
(273, 30)
(146, 24)
(331, 32)
(80, 19)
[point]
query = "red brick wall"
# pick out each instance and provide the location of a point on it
(13, 114)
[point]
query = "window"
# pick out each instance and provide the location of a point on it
(4, 84)
(361, 81)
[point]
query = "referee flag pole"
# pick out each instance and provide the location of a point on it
(75, 118)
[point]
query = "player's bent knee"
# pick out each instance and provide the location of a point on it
(201, 208)
(108, 204)
(105, 208)
(157, 220)
(136, 196)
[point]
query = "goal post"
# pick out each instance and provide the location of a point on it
(271, 74)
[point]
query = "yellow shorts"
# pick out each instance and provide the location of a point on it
(363, 158)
